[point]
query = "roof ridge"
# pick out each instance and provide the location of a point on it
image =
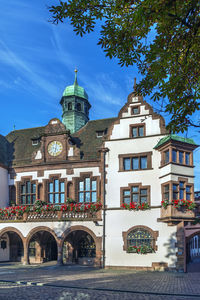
(102, 119)
(23, 129)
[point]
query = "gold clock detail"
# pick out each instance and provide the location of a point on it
(55, 148)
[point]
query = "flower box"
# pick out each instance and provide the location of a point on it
(173, 214)
(43, 211)
(135, 206)
(143, 249)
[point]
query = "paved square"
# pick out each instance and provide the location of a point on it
(49, 281)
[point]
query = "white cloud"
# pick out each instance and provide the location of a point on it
(28, 71)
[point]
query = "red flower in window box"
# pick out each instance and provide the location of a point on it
(179, 203)
(135, 206)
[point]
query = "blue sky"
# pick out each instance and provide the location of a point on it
(37, 62)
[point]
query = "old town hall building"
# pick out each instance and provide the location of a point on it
(90, 192)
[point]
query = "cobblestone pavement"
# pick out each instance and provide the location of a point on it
(49, 281)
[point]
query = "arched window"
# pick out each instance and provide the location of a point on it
(140, 239)
(69, 106)
(79, 106)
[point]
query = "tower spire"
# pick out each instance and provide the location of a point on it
(75, 80)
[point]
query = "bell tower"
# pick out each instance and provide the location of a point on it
(75, 106)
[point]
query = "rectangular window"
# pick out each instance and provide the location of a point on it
(135, 195)
(135, 162)
(181, 190)
(135, 110)
(143, 161)
(134, 132)
(56, 191)
(28, 193)
(178, 156)
(188, 192)
(166, 156)
(143, 196)
(166, 192)
(87, 190)
(181, 157)
(137, 131)
(126, 196)
(141, 131)
(127, 164)
(187, 158)
(174, 155)
(175, 191)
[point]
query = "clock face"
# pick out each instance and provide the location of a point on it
(55, 148)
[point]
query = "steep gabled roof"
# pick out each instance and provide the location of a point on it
(3, 150)
(87, 135)
(20, 148)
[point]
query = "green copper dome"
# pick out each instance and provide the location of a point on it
(75, 89)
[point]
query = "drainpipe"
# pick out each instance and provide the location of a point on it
(104, 150)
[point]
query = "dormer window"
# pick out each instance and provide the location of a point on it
(101, 133)
(35, 142)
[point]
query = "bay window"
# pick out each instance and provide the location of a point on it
(177, 191)
(172, 155)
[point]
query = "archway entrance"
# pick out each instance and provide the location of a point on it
(11, 247)
(16, 247)
(42, 247)
(79, 248)
(193, 253)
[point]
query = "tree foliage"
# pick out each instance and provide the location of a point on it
(161, 36)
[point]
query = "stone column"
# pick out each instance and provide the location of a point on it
(180, 245)
(59, 258)
(26, 256)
